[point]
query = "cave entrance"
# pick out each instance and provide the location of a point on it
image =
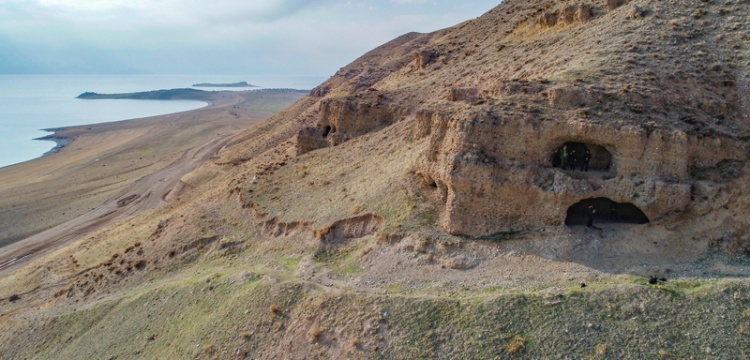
(601, 158)
(327, 130)
(607, 211)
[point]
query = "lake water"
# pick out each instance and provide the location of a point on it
(30, 103)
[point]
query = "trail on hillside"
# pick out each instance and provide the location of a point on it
(146, 193)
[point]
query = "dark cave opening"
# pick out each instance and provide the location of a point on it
(600, 157)
(607, 211)
(327, 130)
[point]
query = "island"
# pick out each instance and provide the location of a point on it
(236, 84)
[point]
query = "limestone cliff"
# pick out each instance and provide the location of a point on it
(656, 91)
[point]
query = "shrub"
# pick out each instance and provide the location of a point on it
(515, 345)
(314, 333)
(140, 264)
(274, 309)
(601, 350)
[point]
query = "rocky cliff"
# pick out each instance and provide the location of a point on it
(655, 91)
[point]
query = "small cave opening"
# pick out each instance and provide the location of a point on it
(607, 211)
(427, 181)
(327, 130)
(600, 159)
(431, 185)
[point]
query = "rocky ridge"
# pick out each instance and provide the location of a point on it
(655, 89)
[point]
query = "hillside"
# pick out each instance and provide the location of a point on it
(414, 206)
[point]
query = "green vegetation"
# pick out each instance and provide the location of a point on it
(204, 315)
(290, 263)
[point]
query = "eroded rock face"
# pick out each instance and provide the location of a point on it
(497, 174)
(662, 111)
(341, 119)
(424, 58)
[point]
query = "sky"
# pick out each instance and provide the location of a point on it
(294, 37)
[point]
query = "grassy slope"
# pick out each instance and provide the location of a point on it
(227, 312)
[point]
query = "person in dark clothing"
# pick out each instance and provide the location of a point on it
(572, 160)
(563, 156)
(590, 211)
(586, 159)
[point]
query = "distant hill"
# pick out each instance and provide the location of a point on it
(172, 94)
(236, 84)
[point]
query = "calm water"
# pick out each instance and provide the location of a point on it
(30, 103)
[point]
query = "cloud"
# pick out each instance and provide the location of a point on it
(312, 36)
(115, 12)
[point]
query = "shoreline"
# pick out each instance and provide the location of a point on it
(60, 142)
(47, 202)
(209, 98)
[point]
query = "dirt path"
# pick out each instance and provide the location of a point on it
(146, 193)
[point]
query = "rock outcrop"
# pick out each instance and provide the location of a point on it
(497, 98)
(498, 174)
(341, 119)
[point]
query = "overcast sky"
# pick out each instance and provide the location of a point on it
(300, 37)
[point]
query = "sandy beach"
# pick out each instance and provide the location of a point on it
(101, 173)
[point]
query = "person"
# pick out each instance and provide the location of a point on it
(590, 211)
(564, 156)
(586, 159)
(572, 159)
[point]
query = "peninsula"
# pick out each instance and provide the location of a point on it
(171, 94)
(235, 84)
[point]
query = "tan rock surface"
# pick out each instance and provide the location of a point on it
(497, 97)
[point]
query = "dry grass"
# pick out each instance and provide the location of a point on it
(274, 309)
(356, 209)
(601, 350)
(515, 345)
(139, 264)
(321, 233)
(314, 333)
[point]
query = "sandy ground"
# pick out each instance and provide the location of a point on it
(114, 170)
